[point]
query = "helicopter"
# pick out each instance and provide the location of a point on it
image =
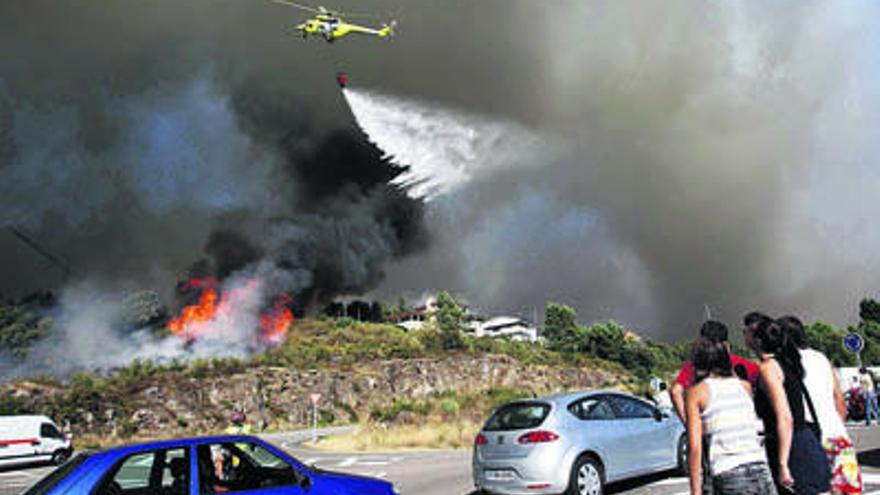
(330, 25)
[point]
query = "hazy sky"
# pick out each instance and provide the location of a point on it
(719, 153)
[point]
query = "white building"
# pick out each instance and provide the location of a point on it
(511, 327)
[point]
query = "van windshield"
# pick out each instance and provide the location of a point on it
(518, 416)
(44, 485)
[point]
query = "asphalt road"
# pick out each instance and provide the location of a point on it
(449, 473)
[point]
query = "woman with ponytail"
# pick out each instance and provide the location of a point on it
(794, 453)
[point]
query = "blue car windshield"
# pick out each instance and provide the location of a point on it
(518, 416)
(44, 485)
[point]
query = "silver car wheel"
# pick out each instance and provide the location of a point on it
(589, 481)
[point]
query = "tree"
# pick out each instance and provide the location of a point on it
(828, 339)
(450, 321)
(20, 329)
(141, 309)
(605, 341)
(560, 326)
(869, 310)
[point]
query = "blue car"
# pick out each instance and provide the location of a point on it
(200, 466)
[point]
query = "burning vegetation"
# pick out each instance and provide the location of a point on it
(216, 309)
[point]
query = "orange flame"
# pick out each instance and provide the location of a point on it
(276, 323)
(195, 320)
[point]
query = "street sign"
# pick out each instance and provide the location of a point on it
(853, 342)
(315, 398)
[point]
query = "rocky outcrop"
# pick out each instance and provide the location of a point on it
(177, 402)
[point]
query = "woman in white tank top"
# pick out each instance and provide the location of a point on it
(720, 409)
(821, 382)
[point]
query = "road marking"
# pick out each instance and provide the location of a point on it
(872, 478)
(348, 462)
(374, 474)
(670, 481)
(19, 474)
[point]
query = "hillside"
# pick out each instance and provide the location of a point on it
(366, 374)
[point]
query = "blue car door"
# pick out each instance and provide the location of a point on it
(244, 467)
(163, 471)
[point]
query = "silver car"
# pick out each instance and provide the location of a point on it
(575, 443)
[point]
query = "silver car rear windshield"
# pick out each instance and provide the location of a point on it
(518, 416)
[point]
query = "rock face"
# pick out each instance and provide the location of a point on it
(176, 402)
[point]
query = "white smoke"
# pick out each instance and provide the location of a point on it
(89, 332)
(444, 149)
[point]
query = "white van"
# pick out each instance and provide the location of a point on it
(29, 439)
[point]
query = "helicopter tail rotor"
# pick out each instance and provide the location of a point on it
(387, 30)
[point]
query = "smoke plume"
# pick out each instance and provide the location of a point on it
(699, 153)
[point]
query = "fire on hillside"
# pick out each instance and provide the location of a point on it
(215, 308)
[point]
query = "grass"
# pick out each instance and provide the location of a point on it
(377, 437)
(437, 421)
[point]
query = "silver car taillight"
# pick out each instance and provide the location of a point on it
(539, 436)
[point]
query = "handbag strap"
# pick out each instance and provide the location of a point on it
(809, 401)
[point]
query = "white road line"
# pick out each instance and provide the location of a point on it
(374, 474)
(872, 478)
(348, 462)
(670, 481)
(20, 474)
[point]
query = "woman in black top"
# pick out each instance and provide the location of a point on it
(794, 453)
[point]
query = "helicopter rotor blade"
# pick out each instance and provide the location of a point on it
(296, 5)
(360, 15)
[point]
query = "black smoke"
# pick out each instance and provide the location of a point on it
(724, 153)
(148, 142)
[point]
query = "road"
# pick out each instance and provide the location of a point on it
(449, 473)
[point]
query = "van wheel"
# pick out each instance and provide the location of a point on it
(682, 456)
(60, 457)
(587, 478)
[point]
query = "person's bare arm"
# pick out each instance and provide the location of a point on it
(747, 387)
(677, 395)
(695, 397)
(772, 377)
(839, 402)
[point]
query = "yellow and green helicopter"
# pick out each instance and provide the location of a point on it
(330, 25)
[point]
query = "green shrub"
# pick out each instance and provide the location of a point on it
(12, 405)
(449, 406)
(349, 411)
(344, 322)
(326, 417)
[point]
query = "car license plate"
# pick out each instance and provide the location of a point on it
(499, 475)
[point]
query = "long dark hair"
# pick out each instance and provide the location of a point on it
(771, 338)
(710, 357)
(795, 328)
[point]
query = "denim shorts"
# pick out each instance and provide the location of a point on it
(749, 479)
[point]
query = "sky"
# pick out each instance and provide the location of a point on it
(678, 155)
